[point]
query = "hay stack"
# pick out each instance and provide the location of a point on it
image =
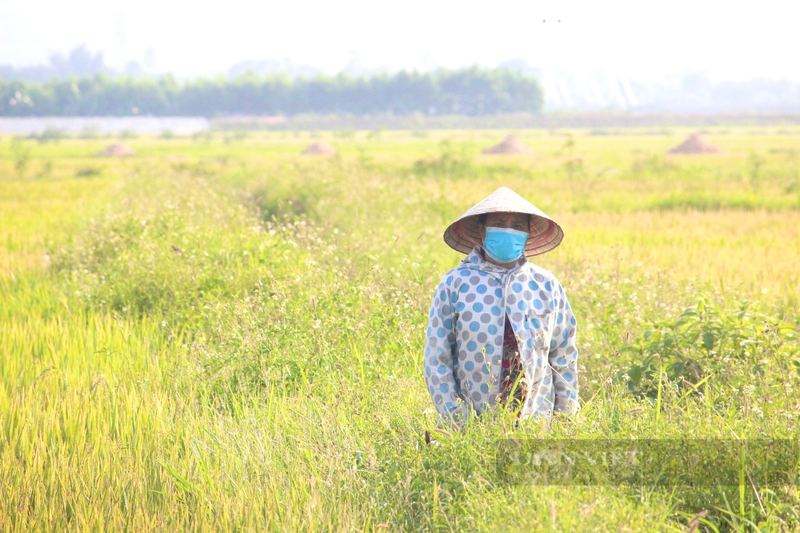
(696, 144)
(320, 148)
(511, 145)
(116, 150)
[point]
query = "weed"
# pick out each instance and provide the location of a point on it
(22, 157)
(88, 172)
(738, 349)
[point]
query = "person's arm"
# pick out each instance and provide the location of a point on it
(563, 356)
(440, 353)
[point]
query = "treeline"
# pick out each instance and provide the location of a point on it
(471, 91)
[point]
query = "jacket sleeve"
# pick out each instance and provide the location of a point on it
(563, 357)
(440, 354)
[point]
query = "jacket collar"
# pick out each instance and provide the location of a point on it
(476, 260)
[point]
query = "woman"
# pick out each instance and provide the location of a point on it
(500, 329)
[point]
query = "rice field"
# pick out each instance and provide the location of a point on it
(220, 334)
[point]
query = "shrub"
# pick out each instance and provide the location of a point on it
(90, 132)
(87, 172)
(167, 251)
(50, 134)
(737, 349)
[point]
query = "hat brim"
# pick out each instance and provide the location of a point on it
(464, 234)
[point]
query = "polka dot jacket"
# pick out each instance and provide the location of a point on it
(464, 344)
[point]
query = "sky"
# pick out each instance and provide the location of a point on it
(635, 39)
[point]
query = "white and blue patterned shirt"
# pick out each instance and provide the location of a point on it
(464, 345)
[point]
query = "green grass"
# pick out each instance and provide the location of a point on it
(218, 334)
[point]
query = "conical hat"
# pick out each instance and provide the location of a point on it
(545, 234)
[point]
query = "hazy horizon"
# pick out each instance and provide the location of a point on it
(623, 38)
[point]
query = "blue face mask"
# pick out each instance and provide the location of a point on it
(504, 245)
